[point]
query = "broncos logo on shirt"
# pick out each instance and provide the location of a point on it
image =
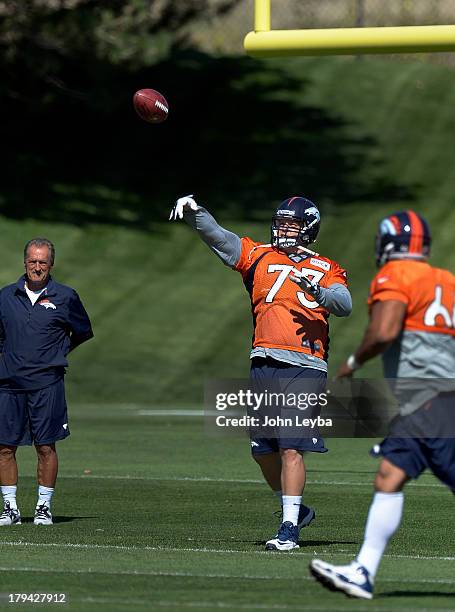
(47, 304)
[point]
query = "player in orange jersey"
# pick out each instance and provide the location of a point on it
(293, 290)
(412, 325)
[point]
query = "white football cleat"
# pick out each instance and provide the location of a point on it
(353, 579)
(43, 515)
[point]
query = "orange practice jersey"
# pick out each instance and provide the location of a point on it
(285, 317)
(428, 292)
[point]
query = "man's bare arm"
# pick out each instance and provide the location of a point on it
(385, 324)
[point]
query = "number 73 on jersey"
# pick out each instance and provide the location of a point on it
(284, 271)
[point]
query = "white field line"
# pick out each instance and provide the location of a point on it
(203, 604)
(221, 605)
(174, 574)
(249, 606)
(201, 413)
(238, 480)
(185, 413)
(146, 573)
(196, 550)
(174, 412)
(140, 409)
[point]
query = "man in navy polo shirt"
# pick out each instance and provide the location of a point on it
(41, 321)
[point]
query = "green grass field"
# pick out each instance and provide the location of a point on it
(151, 513)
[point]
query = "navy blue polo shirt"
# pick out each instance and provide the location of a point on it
(35, 339)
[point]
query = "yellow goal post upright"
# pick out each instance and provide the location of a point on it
(266, 42)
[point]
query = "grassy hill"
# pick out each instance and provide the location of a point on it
(166, 313)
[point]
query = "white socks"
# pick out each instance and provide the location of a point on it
(44, 495)
(9, 495)
(384, 519)
(291, 507)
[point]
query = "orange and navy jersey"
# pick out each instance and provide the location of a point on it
(285, 317)
(428, 292)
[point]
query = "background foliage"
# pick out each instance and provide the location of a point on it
(362, 137)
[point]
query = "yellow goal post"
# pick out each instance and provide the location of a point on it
(266, 42)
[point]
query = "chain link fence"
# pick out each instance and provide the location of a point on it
(299, 14)
(225, 35)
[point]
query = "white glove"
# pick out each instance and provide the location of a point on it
(181, 204)
(306, 284)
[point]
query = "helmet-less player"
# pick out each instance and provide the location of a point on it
(293, 291)
(412, 324)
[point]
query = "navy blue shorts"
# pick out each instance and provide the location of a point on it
(279, 377)
(416, 454)
(33, 417)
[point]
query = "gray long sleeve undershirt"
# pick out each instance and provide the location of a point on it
(228, 247)
(225, 244)
(336, 299)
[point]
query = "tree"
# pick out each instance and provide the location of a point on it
(139, 32)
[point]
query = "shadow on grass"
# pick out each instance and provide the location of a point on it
(307, 543)
(415, 594)
(239, 136)
(61, 519)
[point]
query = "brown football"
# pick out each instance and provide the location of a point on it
(150, 105)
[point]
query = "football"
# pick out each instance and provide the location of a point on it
(150, 105)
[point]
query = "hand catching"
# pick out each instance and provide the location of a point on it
(305, 284)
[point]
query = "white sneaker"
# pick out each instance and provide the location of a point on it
(10, 516)
(353, 579)
(286, 539)
(43, 515)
